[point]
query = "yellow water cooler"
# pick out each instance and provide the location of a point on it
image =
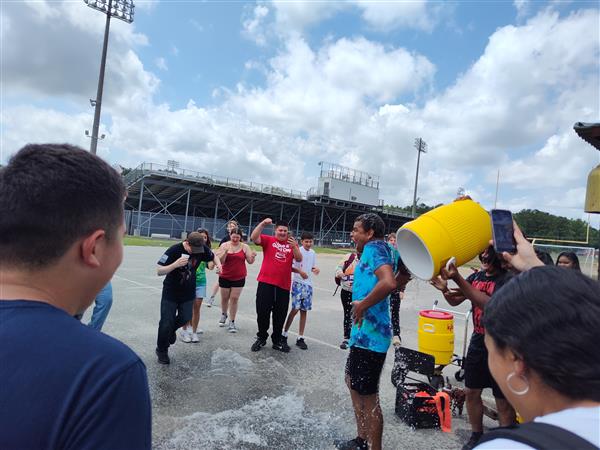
(436, 335)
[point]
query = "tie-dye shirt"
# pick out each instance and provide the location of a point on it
(375, 333)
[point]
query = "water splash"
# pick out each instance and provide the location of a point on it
(282, 422)
(223, 362)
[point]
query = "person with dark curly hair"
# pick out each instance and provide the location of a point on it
(542, 333)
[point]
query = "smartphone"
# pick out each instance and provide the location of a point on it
(502, 231)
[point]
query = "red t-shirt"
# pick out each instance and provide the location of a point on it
(234, 267)
(276, 268)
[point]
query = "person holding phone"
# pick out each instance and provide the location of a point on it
(545, 315)
(274, 282)
(478, 289)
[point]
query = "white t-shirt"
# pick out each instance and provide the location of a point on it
(309, 260)
(584, 422)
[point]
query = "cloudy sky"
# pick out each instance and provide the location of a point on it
(264, 90)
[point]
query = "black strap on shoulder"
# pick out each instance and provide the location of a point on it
(541, 436)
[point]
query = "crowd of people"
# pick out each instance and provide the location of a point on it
(536, 326)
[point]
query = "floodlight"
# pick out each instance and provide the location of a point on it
(121, 9)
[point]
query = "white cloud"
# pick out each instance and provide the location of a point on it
(161, 63)
(523, 7)
(349, 100)
(254, 27)
(294, 18)
(386, 16)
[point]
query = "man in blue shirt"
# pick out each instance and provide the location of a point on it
(371, 333)
(61, 232)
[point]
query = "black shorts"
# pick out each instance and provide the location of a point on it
(477, 372)
(364, 367)
(231, 283)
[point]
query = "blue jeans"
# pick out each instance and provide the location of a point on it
(102, 305)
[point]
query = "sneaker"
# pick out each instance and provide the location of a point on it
(344, 344)
(396, 341)
(163, 356)
(353, 444)
(185, 336)
(300, 343)
(232, 327)
(222, 320)
(473, 441)
(195, 337)
(282, 345)
(258, 344)
(210, 301)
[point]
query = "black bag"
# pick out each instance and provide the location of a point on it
(541, 436)
(416, 412)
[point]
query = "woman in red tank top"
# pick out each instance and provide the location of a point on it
(234, 255)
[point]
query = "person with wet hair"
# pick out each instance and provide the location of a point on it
(215, 289)
(542, 332)
(371, 332)
(478, 288)
(61, 241)
(568, 260)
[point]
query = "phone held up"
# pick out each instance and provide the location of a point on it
(503, 231)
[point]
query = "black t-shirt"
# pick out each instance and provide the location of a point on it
(180, 284)
(488, 284)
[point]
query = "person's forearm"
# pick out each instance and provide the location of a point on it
(255, 235)
(477, 297)
(402, 280)
(163, 270)
(217, 262)
(297, 254)
(295, 270)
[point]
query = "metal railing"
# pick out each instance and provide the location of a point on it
(215, 180)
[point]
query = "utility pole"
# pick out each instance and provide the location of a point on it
(421, 147)
(121, 9)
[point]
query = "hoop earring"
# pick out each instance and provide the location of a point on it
(513, 390)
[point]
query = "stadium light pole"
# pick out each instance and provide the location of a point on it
(421, 147)
(120, 9)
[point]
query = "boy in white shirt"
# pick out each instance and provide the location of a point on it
(302, 289)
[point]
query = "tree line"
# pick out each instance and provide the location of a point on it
(535, 224)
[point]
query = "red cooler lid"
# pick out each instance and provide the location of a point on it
(434, 314)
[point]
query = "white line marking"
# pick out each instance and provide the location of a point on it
(246, 316)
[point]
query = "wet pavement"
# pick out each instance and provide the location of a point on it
(217, 394)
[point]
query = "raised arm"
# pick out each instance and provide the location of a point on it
(476, 297)
(255, 235)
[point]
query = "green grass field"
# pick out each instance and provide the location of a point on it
(148, 242)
